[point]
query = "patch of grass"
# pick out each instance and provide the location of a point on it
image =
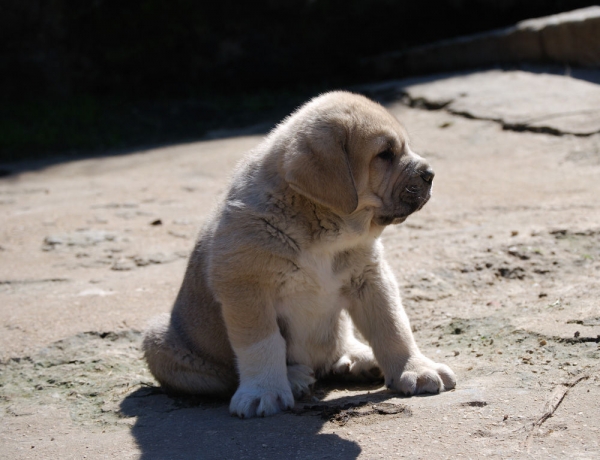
(90, 373)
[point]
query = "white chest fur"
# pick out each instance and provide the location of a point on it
(309, 309)
(312, 287)
(318, 270)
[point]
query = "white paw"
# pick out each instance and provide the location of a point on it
(422, 375)
(363, 366)
(253, 400)
(301, 377)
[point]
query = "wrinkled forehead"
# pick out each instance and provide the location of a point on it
(390, 141)
(382, 132)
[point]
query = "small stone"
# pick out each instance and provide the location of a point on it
(514, 233)
(178, 234)
(123, 265)
(156, 222)
(80, 238)
(157, 258)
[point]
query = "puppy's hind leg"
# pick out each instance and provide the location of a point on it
(301, 378)
(357, 361)
(179, 369)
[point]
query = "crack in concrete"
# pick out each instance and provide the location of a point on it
(525, 126)
(579, 339)
(34, 281)
(388, 93)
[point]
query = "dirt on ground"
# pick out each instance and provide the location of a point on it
(499, 275)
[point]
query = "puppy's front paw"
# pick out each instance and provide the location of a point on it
(255, 400)
(422, 375)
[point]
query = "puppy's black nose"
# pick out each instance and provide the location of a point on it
(427, 175)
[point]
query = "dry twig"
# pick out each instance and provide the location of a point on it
(552, 403)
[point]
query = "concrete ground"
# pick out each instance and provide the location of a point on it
(499, 275)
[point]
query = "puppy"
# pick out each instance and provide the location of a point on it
(288, 280)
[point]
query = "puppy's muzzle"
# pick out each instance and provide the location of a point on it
(410, 195)
(417, 191)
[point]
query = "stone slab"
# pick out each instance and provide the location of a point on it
(519, 100)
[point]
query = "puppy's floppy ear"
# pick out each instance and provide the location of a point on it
(317, 166)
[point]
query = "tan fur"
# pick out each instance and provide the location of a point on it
(291, 263)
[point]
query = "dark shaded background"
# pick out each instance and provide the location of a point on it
(90, 75)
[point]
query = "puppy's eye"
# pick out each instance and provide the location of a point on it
(387, 155)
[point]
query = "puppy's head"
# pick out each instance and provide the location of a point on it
(349, 153)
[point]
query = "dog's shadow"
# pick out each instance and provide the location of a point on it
(176, 427)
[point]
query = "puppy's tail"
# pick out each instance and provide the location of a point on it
(180, 370)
